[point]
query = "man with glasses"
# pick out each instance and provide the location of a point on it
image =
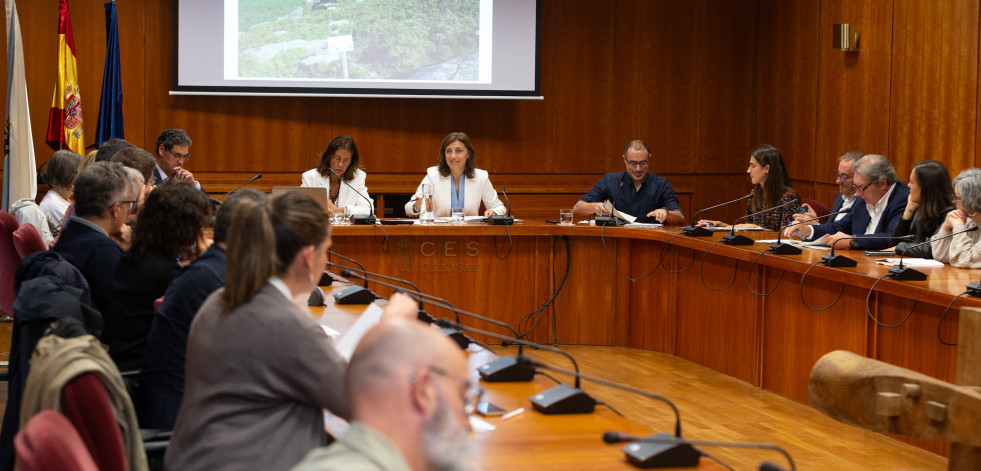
(410, 393)
(880, 204)
(102, 202)
(846, 190)
(173, 151)
(636, 192)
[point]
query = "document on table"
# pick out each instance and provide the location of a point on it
(608, 207)
(909, 262)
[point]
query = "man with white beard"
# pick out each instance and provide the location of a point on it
(410, 395)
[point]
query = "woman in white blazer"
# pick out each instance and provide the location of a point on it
(456, 160)
(341, 156)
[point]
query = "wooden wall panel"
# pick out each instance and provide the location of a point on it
(786, 82)
(933, 109)
(853, 87)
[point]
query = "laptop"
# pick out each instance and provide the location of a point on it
(318, 194)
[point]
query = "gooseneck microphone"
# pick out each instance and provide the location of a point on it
(638, 449)
(610, 220)
(497, 219)
(360, 219)
(256, 177)
(561, 399)
(736, 239)
(692, 230)
(787, 249)
(901, 273)
(355, 294)
(833, 260)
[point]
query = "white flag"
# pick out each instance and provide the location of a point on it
(19, 170)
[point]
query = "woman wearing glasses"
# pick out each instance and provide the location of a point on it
(341, 161)
(771, 188)
(930, 200)
(167, 230)
(457, 182)
(961, 250)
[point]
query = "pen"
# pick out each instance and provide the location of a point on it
(513, 413)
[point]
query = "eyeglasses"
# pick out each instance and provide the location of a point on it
(862, 189)
(179, 156)
(130, 204)
(842, 176)
(637, 164)
(472, 393)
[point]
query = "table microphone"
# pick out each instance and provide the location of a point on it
(737, 239)
(788, 249)
(503, 369)
(358, 219)
(355, 294)
(901, 273)
(833, 260)
(561, 399)
(692, 230)
(256, 177)
(610, 220)
(497, 219)
(658, 451)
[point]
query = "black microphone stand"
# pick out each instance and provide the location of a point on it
(787, 249)
(644, 456)
(901, 273)
(610, 220)
(358, 219)
(355, 294)
(737, 239)
(256, 177)
(692, 230)
(838, 261)
(497, 219)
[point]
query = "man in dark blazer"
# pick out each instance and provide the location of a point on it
(173, 151)
(846, 196)
(882, 198)
(102, 202)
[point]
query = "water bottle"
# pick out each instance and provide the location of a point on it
(426, 212)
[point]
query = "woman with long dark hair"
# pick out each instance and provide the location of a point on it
(931, 197)
(341, 156)
(771, 188)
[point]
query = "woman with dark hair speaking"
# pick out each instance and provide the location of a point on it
(931, 197)
(341, 157)
(771, 188)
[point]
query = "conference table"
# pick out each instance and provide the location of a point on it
(740, 310)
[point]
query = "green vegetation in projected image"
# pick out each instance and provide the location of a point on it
(367, 39)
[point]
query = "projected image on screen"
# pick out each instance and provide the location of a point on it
(404, 40)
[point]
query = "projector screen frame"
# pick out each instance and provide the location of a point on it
(333, 92)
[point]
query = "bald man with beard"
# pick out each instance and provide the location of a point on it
(409, 389)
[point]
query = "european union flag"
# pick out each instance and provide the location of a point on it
(110, 122)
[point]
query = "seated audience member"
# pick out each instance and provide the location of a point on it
(172, 153)
(162, 375)
(873, 218)
(341, 156)
(634, 191)
(961, 250)
(846, 190)
(165, 232)
(26, 211)
(457, 182)
(139, 159)
(771, 188)
(260, 370)
(931, 197)
(109, 148)
(102, 202)
(59, 175)
(409, 387)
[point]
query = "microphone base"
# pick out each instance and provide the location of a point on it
(426, 317)
(974, 289)
(325, 279)
(498, 220)
(506, 370)
(737, 239)
(835, 260)
(354, 295)
(904, 273)
(363, 219)
(606, 221)
(696, 231)
(668, 452)
(563, 399)
(781, 248)
(316, 297)
(457, 336)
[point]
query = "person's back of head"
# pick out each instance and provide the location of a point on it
(223, 219)
(110, 147)
(61, 169)
(875, 168)
(98, 187)
(136, 158)
(173, 217)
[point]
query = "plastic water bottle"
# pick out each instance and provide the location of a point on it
(426, 212)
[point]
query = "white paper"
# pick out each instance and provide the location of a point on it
(909, 262)
(608, 207)
(371, 316)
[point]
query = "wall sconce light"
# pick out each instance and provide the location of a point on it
(844, 39)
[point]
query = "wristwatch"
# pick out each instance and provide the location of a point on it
(853, 244)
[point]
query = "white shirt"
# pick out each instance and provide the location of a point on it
(876, 210)
(845, 204)
(353, 195)
(54, 206)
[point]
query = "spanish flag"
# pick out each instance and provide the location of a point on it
(65, 120)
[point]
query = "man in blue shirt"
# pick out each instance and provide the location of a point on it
(635, 191)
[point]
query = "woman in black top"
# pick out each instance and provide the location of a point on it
(930, 199)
